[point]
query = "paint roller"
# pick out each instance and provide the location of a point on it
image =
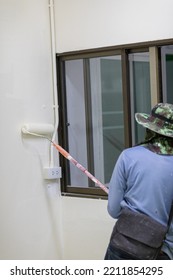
(35, 128)
(43, 130)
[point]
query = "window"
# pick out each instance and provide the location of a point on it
(99, 92)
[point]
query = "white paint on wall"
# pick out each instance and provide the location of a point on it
(90, 24)
(30, 216)
(86, 228)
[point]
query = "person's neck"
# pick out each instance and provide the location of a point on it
(160, 145)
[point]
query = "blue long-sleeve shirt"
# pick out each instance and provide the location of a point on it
(143, 181)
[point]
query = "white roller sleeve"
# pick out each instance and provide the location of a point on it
(38, 128)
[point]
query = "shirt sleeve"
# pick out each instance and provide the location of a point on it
(117, 187)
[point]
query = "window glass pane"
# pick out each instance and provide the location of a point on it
(103, 94)
(76, 120)
(107, 114)
(139, 91)
(167, 73)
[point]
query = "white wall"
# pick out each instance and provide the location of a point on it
(100, 23)
(86, 228)
(30, 211)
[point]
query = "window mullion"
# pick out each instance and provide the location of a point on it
(88, 117)
(126, 98)
(154, 76)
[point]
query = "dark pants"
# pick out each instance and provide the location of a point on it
(111, 254)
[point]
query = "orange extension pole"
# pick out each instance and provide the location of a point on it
(78, 165)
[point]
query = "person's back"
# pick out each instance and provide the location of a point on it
(142, 179)
(147, 181)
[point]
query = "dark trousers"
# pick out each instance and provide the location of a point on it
(112, 254)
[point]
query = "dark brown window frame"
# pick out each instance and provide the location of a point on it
(124, 51)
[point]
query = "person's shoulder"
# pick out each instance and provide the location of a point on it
(128, 152)
(134, 149)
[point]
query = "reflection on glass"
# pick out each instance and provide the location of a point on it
(139, 91)
(169, 77)
(167, 73)
(76, 120)
(107, 113)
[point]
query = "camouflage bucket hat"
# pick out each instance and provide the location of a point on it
(160, 120)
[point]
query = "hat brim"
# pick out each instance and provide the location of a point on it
(155, 124)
